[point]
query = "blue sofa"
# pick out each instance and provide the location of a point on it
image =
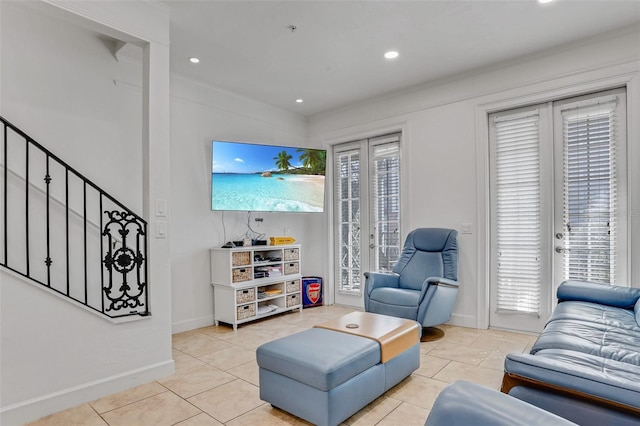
(585, 365)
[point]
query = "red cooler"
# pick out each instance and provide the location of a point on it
(311, 291)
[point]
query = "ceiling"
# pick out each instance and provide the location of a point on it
(334, 57)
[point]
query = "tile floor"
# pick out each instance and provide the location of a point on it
(216, 379)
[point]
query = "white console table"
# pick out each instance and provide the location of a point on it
(255, 282)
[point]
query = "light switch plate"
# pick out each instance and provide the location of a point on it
(467, 228)
(161, 208)
(161, 229)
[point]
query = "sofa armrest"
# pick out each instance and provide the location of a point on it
(583, 376)
(584, 291)
(464, 403)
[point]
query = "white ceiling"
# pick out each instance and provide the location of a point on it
(335, 56)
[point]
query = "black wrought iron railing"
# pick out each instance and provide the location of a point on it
(63, 232)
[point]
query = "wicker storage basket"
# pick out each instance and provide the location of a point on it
(293, 286)
(291, 254)
(241, 258)
(246, 311)
(293, 300)
(241, 274)
(291, 268)
(245, 295)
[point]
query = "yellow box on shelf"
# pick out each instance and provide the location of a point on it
(279, 241)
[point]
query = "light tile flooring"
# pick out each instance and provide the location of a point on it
(216, 379)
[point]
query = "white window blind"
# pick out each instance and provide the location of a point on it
(385, 202)
(590, 190)
(347, 176)
(517, 211)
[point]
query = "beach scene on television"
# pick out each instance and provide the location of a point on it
(255, 177)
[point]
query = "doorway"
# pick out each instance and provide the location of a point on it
(366, 212)
(558, 183)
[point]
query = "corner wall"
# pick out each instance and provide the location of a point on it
(62, 85)
(200, 114)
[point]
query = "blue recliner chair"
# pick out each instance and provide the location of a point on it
(423, 285)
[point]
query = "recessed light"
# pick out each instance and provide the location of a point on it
(299, 101)
(194, 60)
(544, 1)
(392, 54)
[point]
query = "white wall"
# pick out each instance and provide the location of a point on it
(57, 81)
(443, 155)
(200, 114)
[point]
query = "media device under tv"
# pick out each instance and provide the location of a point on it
(255, 177)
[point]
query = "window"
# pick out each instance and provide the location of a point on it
(347, 166)
(590, 194)
(517, 225)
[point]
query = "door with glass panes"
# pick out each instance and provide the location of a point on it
(558, 185)
(367, 212)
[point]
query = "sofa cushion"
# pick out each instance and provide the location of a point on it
(320, 358)
(586, 373)
(602, 340)
(612, 295)
(637, 309)
(594, 312)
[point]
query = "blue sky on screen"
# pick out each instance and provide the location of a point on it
(236, 157)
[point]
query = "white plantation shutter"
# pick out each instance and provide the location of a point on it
(385, 201)
(590, 190)
(517, 211)
(347, 188)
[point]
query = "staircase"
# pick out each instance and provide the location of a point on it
(61, 231)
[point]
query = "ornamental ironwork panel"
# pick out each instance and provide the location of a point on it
(125, 289)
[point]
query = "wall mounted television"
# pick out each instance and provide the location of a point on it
(255, 177)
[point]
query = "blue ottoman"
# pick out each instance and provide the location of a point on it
(324, 375)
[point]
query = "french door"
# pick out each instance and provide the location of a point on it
(558, 187)
(366, 212)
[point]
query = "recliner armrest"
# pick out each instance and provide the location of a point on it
(442, 281)
(585, 291)
(379, 279)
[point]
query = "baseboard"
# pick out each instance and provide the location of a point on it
(191, 324)
(33, 409)
(463, 320)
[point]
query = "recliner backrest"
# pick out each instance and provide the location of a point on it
(428, 252)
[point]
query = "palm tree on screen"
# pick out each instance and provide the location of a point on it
(282, 160)
(314, 160)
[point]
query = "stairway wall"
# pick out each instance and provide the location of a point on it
(61, 83)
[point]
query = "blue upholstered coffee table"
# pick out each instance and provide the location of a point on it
(328, 373)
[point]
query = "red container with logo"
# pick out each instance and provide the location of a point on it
(311, 291)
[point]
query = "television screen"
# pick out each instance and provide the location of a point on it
(253, 177)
